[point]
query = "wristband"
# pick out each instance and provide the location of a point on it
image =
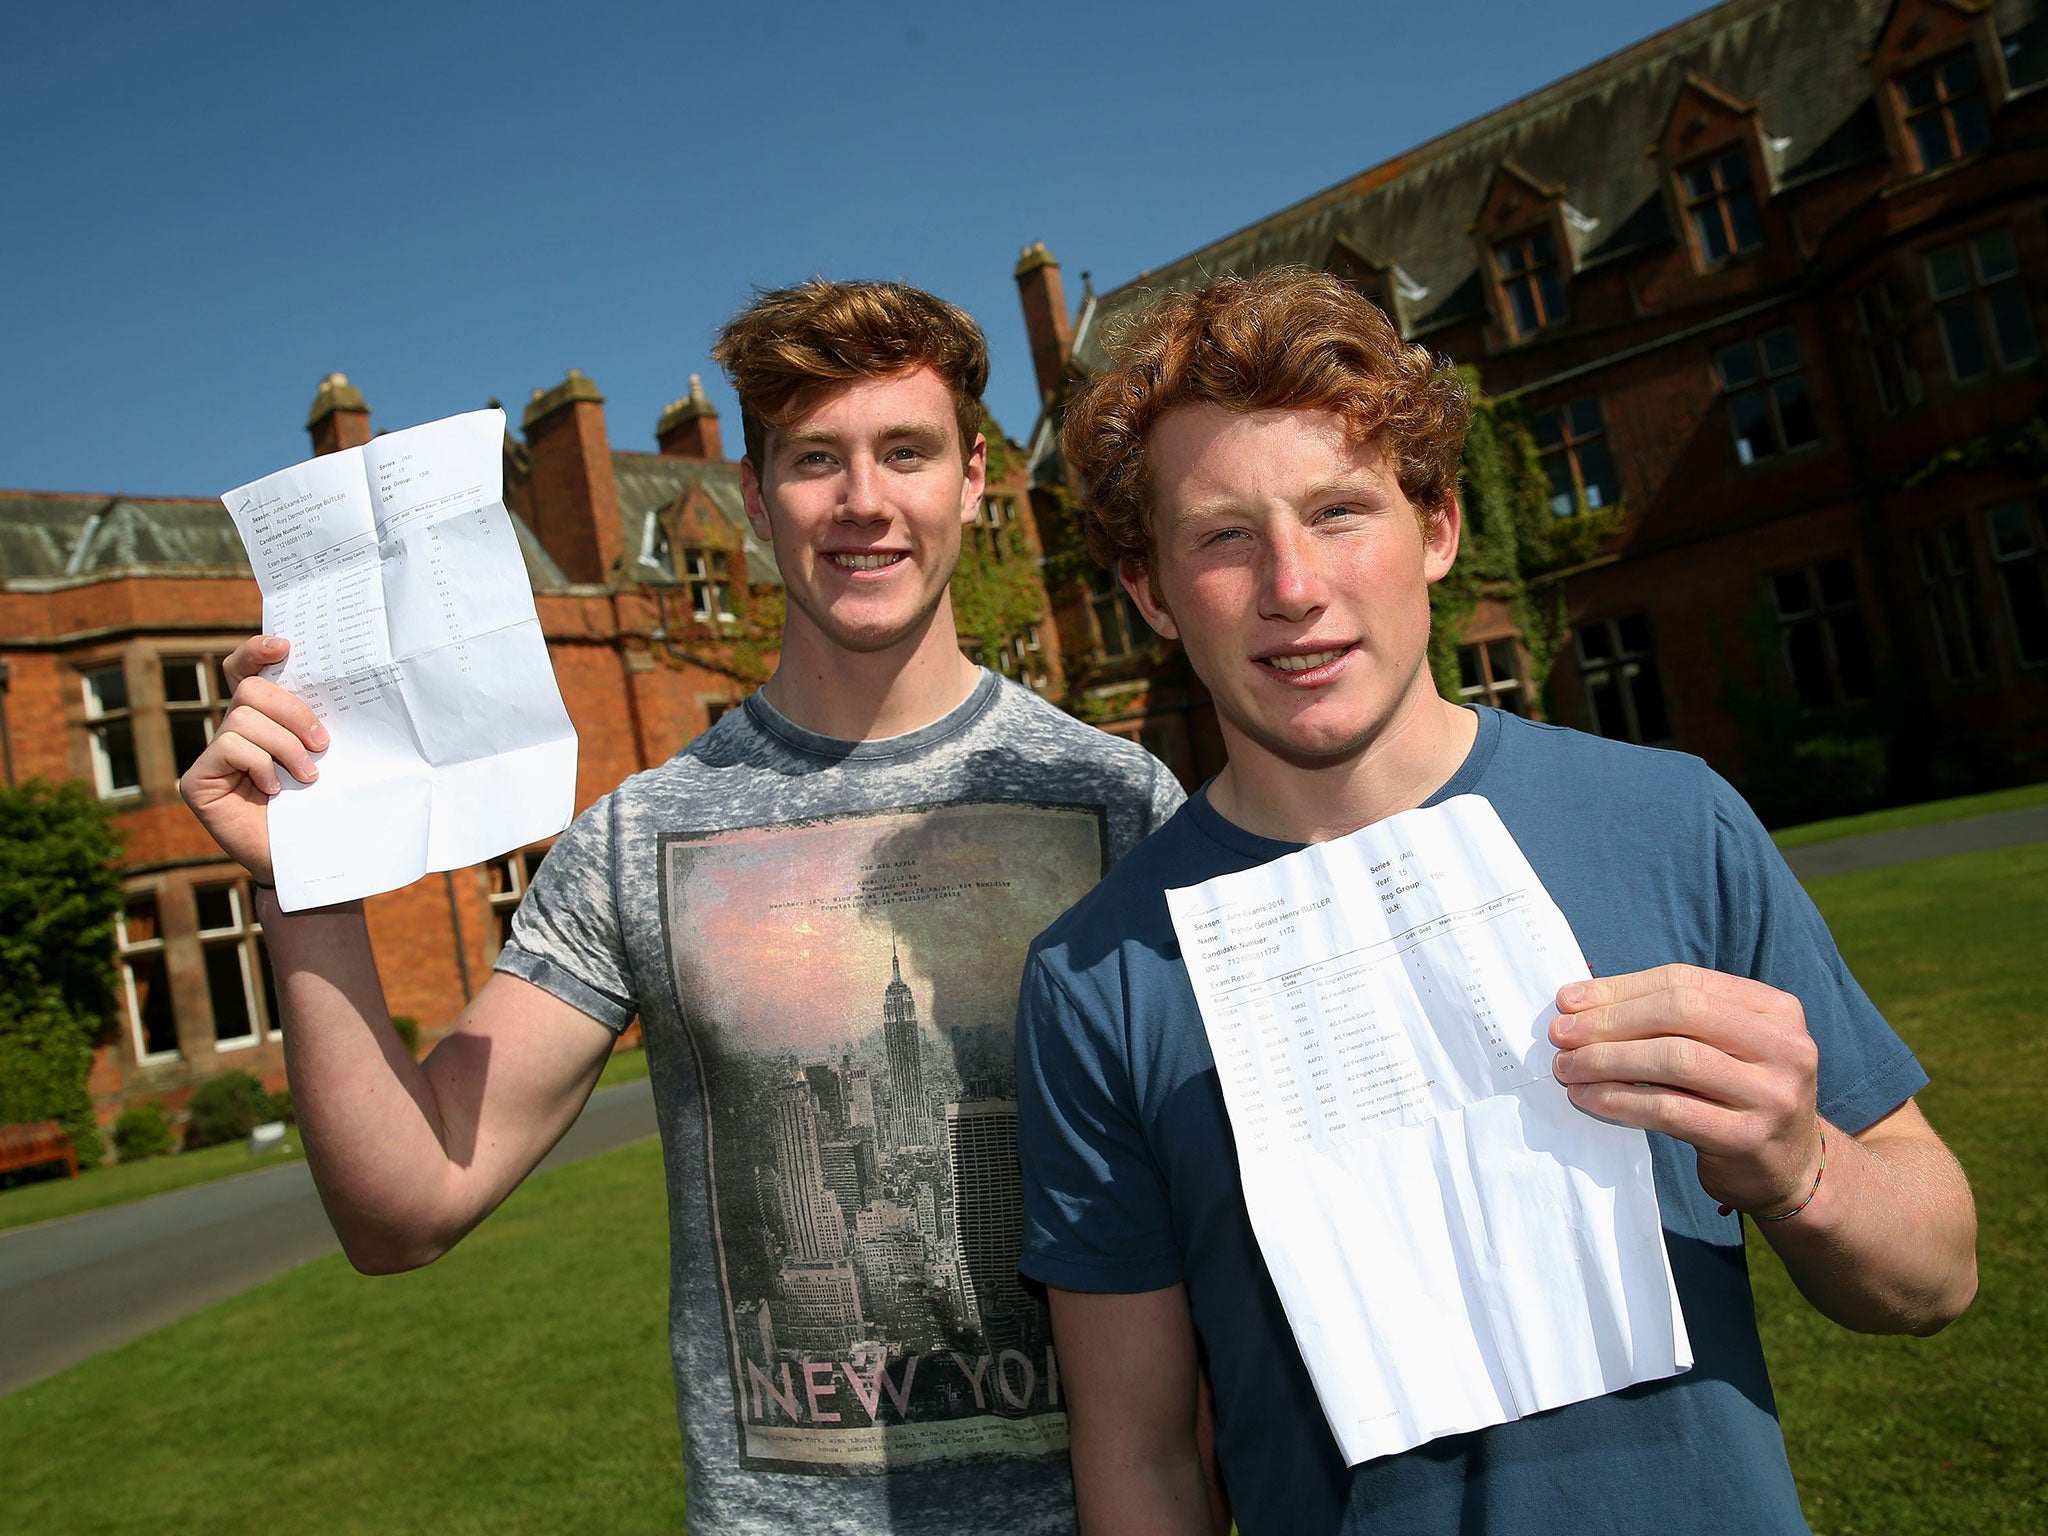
(1819, 1174)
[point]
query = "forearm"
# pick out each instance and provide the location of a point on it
(373, 1132)
(1889, 1242)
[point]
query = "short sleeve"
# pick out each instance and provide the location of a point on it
(566, 938)
(1097, 1216)
(1167, 796)
(1770, 930)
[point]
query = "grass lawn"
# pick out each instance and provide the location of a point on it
(1949, 1434)
(118, 1182)
(519, 1385)
(1911, 816)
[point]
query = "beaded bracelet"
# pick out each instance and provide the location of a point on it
(1819, 1173)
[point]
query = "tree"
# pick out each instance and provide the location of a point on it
(59, 895)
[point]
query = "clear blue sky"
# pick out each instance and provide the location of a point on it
(204, 208)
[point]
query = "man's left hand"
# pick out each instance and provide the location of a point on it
(1719, 1061)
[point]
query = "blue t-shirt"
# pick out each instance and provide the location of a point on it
(1131, 1180)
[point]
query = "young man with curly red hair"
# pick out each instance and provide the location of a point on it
(818, 911)
(1273, 473)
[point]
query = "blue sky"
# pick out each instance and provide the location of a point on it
(208, 207)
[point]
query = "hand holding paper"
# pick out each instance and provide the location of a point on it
(1722, 1062)
(1454, 1243)
(395, 572)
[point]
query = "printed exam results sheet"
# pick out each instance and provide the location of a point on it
(395, 572)
(1454, 1243)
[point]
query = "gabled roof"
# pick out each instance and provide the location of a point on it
(1802, 61)
(650, 483)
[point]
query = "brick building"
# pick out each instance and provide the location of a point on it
(661, 610)
(1767, 289)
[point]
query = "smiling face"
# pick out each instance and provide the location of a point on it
(1290, 564)
(864, 495)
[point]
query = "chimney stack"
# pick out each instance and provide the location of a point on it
(339, 418)
(1045, 317)
(573, 493)
(688, 428)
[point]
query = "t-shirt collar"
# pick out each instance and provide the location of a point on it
(768, 718)
(1230, 835)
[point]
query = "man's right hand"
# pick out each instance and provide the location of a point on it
(229, 788)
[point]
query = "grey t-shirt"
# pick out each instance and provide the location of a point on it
(823, 941)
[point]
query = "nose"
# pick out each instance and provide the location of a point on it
(1291, 583)
(862, 502)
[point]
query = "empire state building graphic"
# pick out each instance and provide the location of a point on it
(910, 1116)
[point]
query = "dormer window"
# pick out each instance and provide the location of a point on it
(1720, 205)
(1531, 287)
(1943, 110)
(708, 576)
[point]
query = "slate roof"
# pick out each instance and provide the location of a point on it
(1802, 61)
(651, 482)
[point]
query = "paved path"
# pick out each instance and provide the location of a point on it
(1913, 845)
(72, 1288)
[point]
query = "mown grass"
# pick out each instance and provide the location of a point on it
(1911, 816)
(117, 1183)
(520, 1385)
(1898, 1437)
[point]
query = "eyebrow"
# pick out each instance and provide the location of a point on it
(1343, 489)
(890, 433)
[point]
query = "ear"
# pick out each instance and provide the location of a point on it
(1137, 578)
(1440, 539)
(756, 505)
(976, 483)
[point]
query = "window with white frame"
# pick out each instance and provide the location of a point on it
(1573, 442)
(1491, 673)
(1883, 325)
(1763, 384)
(995, 515)
(1951, 587)
(1820, 628)
(2020, 556)
(708, 574)
(145, 979)
(1618, 668)
(507, 880)
(238, 980)
(1981, 307)
(195, 698)
(110, 730)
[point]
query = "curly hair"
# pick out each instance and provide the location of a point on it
(792, 342)
(1285, 339)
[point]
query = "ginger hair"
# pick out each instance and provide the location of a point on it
(791, 343)
(1285, 339)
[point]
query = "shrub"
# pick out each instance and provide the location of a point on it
(224, 1108)
(408, 1029)
(281, 1106)
(141, 1132)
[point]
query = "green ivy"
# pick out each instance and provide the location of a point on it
(995, 598)
(1514, 547)
(2022, 446)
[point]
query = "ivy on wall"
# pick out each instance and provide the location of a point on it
(1514, 547)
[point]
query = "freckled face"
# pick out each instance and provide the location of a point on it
(1296, 572)
(864, 496)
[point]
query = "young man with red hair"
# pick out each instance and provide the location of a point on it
(818, 911)
(1274, 475)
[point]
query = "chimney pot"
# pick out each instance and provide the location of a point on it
(688, 428)
(339, 418)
